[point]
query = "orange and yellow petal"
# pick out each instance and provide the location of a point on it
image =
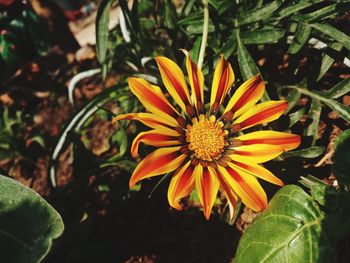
(174, 81)
(258, 171)
(181, 185)
(153, 99)
(149, 119)
(159, 138)
(231, 196)
(245, 186)
(287, 141)
(244, 98)
(161, 161)
(196, 79)
(256, 153)
(207, 185)
(260, 113)
(222, 82)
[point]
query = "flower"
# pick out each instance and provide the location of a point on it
(202, 148)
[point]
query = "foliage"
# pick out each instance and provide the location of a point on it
(28, 224)
(306, 226)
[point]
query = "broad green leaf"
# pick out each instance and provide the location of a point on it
(311, 152)
(290, 230)
(296, 116)
(263, 36)
(340, 89)
(258, 14)
(221, 6)
(333, 33)
(300, 38)
(28, 224)
(102, 32)
(194, 52)
(314, 115)
(341, 158)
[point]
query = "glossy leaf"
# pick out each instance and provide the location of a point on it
(28, 224)
(341, 158)
(289, 230)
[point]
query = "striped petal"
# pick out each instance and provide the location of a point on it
(207, 186)
(149, 119)
(258, 171)
(153, 99)
(159, 138)
(231, 196)
(161, 161)
(196, 78)
(260, 113)
(285, 140)
(174, 81)
(245, 97)
(257, 153)
(181, 185)
(245, 186)
(222, 81)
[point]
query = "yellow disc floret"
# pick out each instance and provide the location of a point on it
(206, 138)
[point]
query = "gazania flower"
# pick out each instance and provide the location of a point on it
(201, 147)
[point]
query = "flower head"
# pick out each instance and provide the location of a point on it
(201, 147)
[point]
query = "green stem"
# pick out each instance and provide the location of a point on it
(205, 34)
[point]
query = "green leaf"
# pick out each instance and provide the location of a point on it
(342, 110)
(258, 14)
(247, 66)
(295, 7)
(328, 60)
(28, 224)
(341, 158)
(292, 99)
(102, 32)
(289, 230)
(195, 17)
(340, 89)
(263, 36)
(311, 152)
(300, 38)
(333, 33)
(296, 116)
(314, 114)
(77, 121)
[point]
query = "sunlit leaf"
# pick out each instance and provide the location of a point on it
(289, 230)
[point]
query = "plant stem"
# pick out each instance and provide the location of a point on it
(205, 34)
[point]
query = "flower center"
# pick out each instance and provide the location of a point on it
(206, 138)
